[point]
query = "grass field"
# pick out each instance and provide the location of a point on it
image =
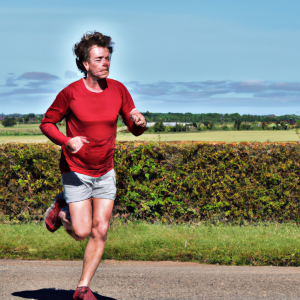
(219, 136)
(20, 127)
(31, 133)
(265, 244)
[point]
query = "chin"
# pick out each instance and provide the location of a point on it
(103, 76)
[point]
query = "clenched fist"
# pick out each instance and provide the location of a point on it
(137, 118)
(76, 143)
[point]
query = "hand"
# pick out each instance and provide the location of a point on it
(137, 118)
(76, 143)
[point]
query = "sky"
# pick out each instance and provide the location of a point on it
(198, 56)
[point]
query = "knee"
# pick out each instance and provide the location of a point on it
(81, 233)
(99, 231)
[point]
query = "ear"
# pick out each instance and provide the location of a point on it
(86, 65)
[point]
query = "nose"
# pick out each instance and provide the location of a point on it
(106, 63)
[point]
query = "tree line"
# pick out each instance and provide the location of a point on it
(205, 118)
(13, 119)
(216, 118)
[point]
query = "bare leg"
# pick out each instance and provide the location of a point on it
(102, 209)
(81, 216)
(68, 226)
(85, 224)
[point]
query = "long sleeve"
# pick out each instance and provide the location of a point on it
(55, 114)
(127, 107)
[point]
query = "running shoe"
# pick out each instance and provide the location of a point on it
(52, 220)
(83, 293)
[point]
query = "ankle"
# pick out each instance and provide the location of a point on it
(82, 284)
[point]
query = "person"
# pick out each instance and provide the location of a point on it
(90, 107)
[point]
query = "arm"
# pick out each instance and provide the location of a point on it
(55, 114)
(132, 118)
(53, 134)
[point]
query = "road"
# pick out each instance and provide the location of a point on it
(45, 280)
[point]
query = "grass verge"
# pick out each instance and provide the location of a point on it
(211, 136)
(260, 245)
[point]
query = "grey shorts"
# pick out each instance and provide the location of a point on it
(79, 187)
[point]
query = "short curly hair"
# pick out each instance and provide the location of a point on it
(82, 48)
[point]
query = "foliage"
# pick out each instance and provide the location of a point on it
(168, 182)
(197, 125)
(225, 127)
(179, 128)
(283, 125)
(245, 126)
(216, 117)
(9, 122)
(159, 127)
(208, 124)
(237, 124)
(29, 179)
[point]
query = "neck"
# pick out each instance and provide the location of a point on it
(96, 84)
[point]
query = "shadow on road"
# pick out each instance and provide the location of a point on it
(50, 294)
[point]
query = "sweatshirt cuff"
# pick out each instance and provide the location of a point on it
(66, 141)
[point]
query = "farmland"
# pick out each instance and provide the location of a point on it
(220, 136)
(31, 133)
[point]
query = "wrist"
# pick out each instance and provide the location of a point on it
(134, 110)
(66, 141)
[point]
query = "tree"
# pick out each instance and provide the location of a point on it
(197, 125)
(283, 125)
(9, 122)
(28, 117)
(237, 124)
(264, 125)
(209, 124)
(159, 126)
(31, 116)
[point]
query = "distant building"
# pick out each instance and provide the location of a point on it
(2, 118)
(149, 124)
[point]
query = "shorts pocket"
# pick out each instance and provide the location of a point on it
(71, 178)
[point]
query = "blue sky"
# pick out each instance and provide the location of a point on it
(221, 56)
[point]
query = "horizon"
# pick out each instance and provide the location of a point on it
(267, 115)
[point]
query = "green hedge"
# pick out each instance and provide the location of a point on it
(168, 181)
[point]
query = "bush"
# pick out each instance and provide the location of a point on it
(197, 126)
(29, 178)
(169, 182)
(237, 124)
(245, 126)
(9, 122)
(179, 128)
(159, 127)
(225, 127)
(208, 124)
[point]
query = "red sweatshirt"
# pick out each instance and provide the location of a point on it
(93, 115)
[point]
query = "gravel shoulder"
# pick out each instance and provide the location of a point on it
(43, 280)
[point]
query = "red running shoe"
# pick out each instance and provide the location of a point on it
(83, 293)
(52, 220)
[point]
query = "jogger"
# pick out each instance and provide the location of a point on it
(91, 107)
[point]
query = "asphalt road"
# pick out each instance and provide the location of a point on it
(45, 280)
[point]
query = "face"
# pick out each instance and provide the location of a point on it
(99, 62)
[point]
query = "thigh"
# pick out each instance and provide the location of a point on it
(104, 187)
(77, 187)
(102, 210)
(81, 215)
